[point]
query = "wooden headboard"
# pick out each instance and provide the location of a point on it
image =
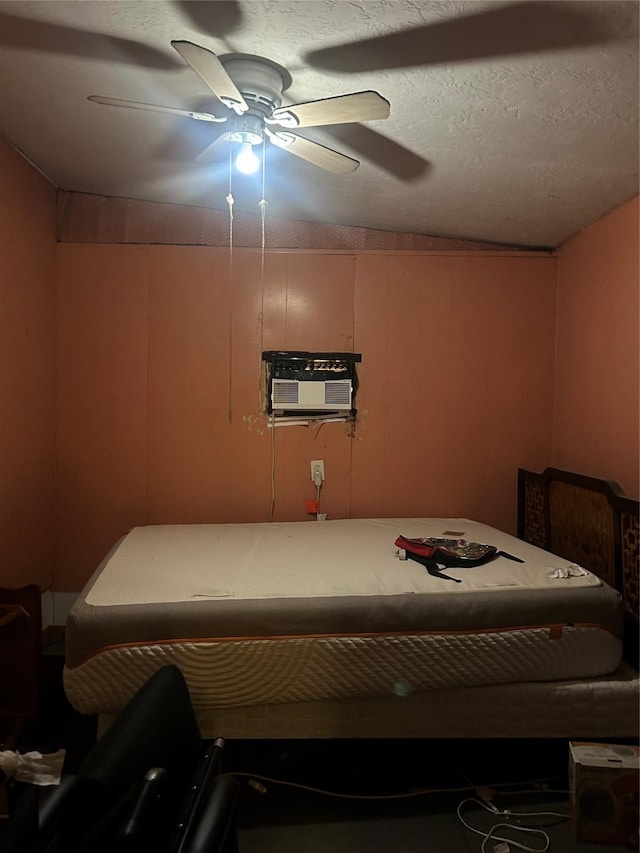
(591, 522)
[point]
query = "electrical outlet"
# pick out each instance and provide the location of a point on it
(317, 464)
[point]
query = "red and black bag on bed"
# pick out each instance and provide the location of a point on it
(433, 552)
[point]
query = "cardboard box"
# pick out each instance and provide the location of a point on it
(603, 782)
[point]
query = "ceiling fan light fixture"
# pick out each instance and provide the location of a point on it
(246, 161)
(247, 128)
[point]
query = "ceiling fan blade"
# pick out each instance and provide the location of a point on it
(137, 105)
(313, 152)
(517, 28)
(209, 68)
(358, 106)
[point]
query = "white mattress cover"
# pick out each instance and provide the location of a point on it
(342, 557)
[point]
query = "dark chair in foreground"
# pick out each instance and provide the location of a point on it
(150, 783)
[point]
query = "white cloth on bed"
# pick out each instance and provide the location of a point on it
(343, 557)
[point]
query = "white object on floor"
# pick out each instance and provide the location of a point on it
(33, 767)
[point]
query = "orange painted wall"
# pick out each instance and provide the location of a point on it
(596, 421)
(27, 371)
(156, 373)
(159, 386)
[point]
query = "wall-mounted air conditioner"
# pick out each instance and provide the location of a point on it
(310, 381)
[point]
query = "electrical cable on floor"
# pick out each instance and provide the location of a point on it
(505, 843)
(258, 778)
(491, 834)
(405, 795)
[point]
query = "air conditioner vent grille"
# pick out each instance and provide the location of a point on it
(337, 393)
(314, 396)
(285, 392)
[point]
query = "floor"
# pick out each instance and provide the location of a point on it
(369, 796)
(523, 777)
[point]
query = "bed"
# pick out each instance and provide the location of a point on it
(320, 629)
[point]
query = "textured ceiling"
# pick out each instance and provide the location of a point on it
(510, 122)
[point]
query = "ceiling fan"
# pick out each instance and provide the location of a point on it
(483, 31)
(251, 88)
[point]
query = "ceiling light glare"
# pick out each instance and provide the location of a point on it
(246, 161)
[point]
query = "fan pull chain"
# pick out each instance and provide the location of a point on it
(262, 204)
(230, 201)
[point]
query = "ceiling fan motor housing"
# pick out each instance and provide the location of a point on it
(261, 81)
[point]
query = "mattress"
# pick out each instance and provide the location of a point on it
(319, 612)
